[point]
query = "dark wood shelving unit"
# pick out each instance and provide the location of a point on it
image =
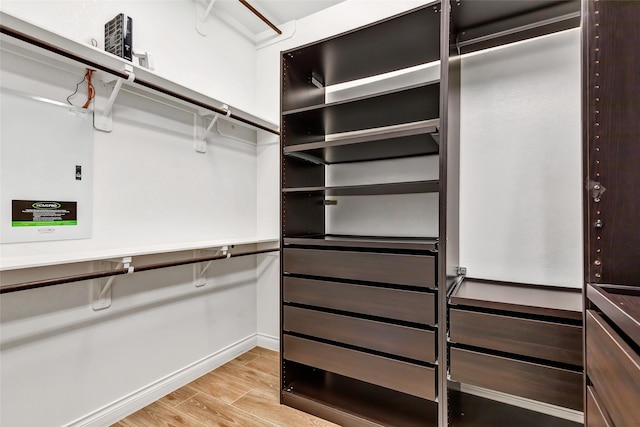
(347, 355)
(411, 187)
(419, 139)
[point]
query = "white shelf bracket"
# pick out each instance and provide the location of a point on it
(200, 271)
(101, 288)
(200, 141)
(202, 18)
(103, 117)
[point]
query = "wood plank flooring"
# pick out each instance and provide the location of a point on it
(241, 393)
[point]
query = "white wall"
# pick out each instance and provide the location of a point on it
(85, 367)
(521, 162)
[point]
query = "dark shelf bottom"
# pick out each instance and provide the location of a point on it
(467, 410)
(378, 242)
(346, 401)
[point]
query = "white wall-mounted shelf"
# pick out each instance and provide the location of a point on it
(21, 256)
(25, 36)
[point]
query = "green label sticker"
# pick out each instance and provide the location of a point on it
(37, 213)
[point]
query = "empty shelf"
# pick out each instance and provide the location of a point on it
(415, 139)
(523, 298)
(406, 243)
(411, 187)
(398, 106)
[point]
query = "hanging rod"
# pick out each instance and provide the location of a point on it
(261, 16)
(121, 271)
(92, 64)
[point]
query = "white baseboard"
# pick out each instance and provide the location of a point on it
(269, 342)
(521, 402)
(137, 400)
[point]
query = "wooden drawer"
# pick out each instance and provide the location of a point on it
(410, 306)
(533, 338)
(596, 414)
(414, 343)
(614, 369)
(533, 381)
(400, 269)
(393, 374)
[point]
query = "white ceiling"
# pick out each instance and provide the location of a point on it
(277, 11)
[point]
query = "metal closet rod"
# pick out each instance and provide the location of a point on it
(261, 16)
(120, 271)
(51, 48)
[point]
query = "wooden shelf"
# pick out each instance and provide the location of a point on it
(621, 304)
(403, 243)
(415, 139)
(411, 187)
(522, 298)
(409, 104)
(354, 55)
(339, 398)
(489, 23)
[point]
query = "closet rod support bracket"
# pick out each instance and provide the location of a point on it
(101, 288)
(200, 141)
(201, 19)
(200, 270)
(103, 114)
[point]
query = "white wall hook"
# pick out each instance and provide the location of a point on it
(102, 117)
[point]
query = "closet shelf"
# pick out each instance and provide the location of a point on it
(539, 300)
(413, 139)
(411, 187)
(405, 105)
(26, 38)
(346, 398)
(353, 55)
(373, 242)
(621, 303)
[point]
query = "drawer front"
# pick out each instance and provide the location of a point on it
(393, 374)
(596, 414)
(538, 382)
(400, 269)
(414, 343)
(410, 306)
(533, 338)
(614, 369)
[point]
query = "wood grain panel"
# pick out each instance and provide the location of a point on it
(393, 374)
(410, 306)
(533, 338)
(401, 269)
(533, 381)
(596, 414)
(414, 343)
(614, 369)
(612, 129)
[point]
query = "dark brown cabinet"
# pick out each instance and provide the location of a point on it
(611, 77)
(359, 312)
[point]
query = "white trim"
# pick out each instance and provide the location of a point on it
(521, 402)
(131, 403)
(269, 342)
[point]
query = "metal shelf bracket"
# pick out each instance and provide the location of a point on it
(103, 117)
(202, 18)
(200, 140)
(199, 270)
(101, 288)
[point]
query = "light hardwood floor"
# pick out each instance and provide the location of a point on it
(241, 393)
